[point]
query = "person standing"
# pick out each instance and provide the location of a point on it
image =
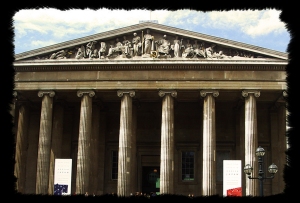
(126, 46)
(137, 45)
(148, 42)
(102, 50)
(177, 47)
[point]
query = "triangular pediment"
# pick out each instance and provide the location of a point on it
(103, 46)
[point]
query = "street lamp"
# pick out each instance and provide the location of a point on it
(260, 152)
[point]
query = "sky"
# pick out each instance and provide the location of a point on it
(37, 28)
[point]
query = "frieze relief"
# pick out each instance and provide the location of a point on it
(147, 45)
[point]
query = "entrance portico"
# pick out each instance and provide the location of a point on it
(147, 124)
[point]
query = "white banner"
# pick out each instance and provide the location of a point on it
(62, 177)
(232, 178)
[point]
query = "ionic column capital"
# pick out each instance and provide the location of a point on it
(80, 93)
(162, 93)
(49, 92)
(131, 93)
(245, 93)
(203, 93)
(15, 94)
(284, 93)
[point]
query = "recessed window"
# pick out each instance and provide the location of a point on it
(187, 160)
(114, 164)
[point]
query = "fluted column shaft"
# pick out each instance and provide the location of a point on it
(167, 142)
(43, 160)
(83, 155)
(209, 143)
(21, 145)
(125, 136)
(251, 143)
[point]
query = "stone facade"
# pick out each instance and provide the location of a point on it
(128, 118)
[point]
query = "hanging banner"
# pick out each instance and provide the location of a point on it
(62, 177)
(232, 178)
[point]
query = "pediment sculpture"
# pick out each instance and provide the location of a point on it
(149, 45)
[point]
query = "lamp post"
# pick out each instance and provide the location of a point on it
(260, 152)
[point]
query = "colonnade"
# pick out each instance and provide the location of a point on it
(44, 176)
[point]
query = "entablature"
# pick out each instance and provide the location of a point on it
(66, 65)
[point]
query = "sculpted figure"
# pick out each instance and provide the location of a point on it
(60, 54)
(221, 55)
(147, 42)
(126, 46)
(117, 48)
(102, 50)
(94, 54)
(177, 46)
(210, 51)
(163, 46)
(110, 50)
(199, 50)
(189, 51)
(90, 47)
(137, 45)
(80, 53)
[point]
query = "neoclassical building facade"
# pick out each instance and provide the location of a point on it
(148, 108)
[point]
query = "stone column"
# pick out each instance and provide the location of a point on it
(125, 137)
(13, 108)
(43, 160)
(209, 143)
(13, 113)
(278, 142)
(21, 147)
(285, 95)
(251, 142)
(56, 143)
(167, 142)
(83, 154)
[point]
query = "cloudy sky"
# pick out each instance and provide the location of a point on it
(36, 28)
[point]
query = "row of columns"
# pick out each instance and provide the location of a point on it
(45, 167)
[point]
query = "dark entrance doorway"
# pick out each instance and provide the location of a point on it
(150, 180)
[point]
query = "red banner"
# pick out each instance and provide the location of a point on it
(237, 192)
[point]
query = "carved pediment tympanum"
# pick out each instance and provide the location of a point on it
(152, 42)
